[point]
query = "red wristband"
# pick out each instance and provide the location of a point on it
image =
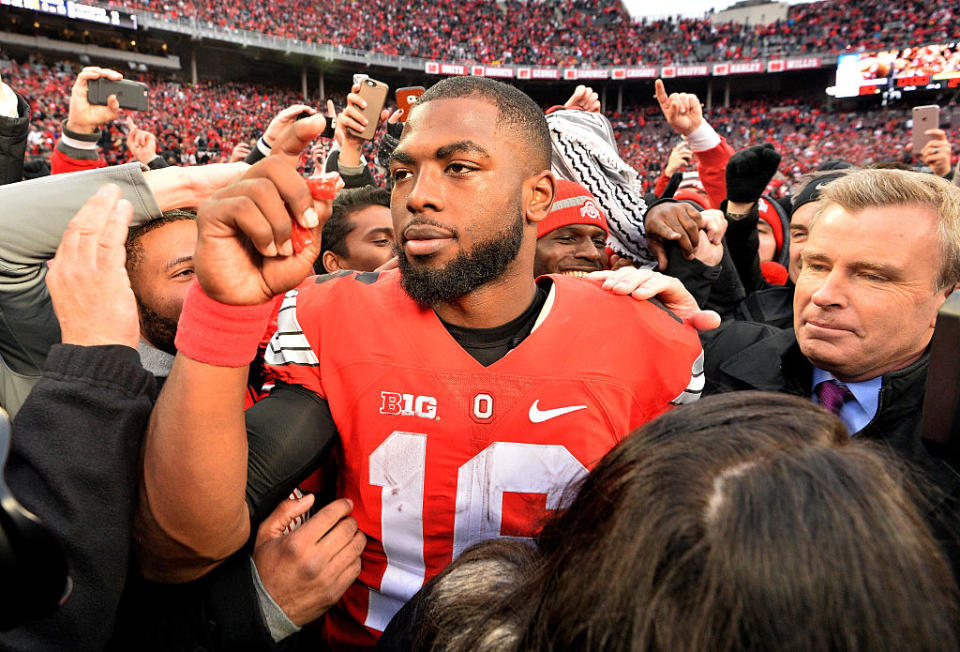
(220, 334)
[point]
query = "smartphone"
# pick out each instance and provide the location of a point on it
(941, 401)
(374, 93)
(131, 95)
(329, 130)
(406, 98)
(924, 117)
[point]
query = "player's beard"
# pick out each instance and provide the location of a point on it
(466, 272)
(157, 330)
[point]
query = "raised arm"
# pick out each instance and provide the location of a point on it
(192, 512)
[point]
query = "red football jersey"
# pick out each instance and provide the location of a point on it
(440, 452)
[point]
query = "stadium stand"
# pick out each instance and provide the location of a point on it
(202, 123)
(569, 31)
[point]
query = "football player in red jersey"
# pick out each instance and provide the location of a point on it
(465, 395)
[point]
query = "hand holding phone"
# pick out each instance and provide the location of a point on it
(924, 118)
(374, 96)
(85, 117)
(130, 94)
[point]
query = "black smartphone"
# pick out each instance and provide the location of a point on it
(131, 95)
(941, 400)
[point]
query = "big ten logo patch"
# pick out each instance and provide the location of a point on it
(408, 405)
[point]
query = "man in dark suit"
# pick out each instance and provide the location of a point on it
(882, 256)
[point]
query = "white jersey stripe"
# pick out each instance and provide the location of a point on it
(695, 387)
(289, 345)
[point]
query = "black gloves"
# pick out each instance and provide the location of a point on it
(389, 143)
(749, 171)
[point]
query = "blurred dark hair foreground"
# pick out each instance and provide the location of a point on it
(746, 521)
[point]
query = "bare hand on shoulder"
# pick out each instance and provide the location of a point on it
(643, 284)
(88, 280)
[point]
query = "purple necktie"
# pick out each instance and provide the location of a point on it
(832, 395)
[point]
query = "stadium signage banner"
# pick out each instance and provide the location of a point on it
(803, 64)
(746, 67)
(593, 73)
(688, 71)
(617, 74)
(545, 73)
(491, 71)
(649, 72)
(77, 11)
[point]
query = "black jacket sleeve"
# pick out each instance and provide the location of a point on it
(290, 433)
(157, 163)
(13, 143)
(715, 287)
(218, 612)
(353, 177)
(743, 243)
(74, 462)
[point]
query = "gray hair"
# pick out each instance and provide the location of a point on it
(863, 189)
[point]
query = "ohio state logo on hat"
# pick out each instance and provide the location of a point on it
(589, 209)
(572, 204)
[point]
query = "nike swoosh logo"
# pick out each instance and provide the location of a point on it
(539, 416)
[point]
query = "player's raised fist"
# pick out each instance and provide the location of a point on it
(245, 251)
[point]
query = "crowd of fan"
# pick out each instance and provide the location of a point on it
(804, 133)
(193, 124)
(204, 516)
(202, 123)
(570, 32)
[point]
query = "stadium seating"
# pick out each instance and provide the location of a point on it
(203, 123)
(568, 32)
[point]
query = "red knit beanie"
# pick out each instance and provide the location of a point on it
(573, 204)
(769, 215)
(694, 196)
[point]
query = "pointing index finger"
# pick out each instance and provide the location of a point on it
(661, 94)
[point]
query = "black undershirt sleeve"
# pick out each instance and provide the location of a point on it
(290, 434)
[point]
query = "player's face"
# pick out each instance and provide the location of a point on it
(866, 299)
(457, 198)
(162, 278)
(571, 249)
